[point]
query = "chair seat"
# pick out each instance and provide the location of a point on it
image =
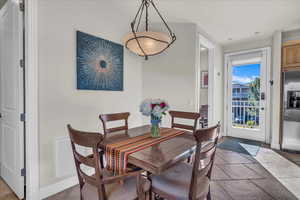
(116, 191)
(174, 183)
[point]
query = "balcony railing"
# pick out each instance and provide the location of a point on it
(245, 114)
(240, 95)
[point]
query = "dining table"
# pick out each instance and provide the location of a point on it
(159, 157)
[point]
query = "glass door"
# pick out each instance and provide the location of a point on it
(247, 96)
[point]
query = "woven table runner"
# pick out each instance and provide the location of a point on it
(117, 153)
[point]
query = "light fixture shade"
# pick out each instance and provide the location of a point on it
(147, 43)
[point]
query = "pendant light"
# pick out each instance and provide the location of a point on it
(144, 42)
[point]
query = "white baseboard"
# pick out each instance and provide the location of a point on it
(55, 188)
(275, 146)
(222, 134)
(32, 195)
(58, 187)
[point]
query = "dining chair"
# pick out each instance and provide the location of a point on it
(105, 118)
(188, 116)
(190, 182)
(114, 117)
(103, 185)
(184, 115)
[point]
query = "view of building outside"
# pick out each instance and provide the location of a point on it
(245, 95)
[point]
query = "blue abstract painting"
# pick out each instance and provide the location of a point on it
(99, 63)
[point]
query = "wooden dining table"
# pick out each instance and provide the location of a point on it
(159, 157)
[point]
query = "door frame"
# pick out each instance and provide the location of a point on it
(268, 89)
(211, 55)
(31, 95)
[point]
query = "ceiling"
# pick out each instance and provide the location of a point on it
(228, 21)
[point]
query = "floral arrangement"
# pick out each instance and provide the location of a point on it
(155, 108)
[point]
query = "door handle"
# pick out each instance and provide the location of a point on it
(262, 108)
(262, 96)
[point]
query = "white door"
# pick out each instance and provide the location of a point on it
(247, 95)
(11, 93)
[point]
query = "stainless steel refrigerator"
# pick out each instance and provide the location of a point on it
(291, 111)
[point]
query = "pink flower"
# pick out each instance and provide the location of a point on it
(162, 105)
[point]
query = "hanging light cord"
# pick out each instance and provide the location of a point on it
(146, 4)
(161, 17)
(140, 13)
(147, 15)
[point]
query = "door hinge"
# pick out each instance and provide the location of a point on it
(22, 6)
(22, 117)
(23, 172)
(22, 63)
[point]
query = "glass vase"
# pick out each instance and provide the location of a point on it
(155, 130)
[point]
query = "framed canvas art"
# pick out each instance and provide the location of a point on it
(99, 63)
(204, 79)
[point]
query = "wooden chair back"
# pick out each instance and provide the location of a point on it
(204, 157)
(99, 179)
(87, 140)
(184, 115)
(114, 117)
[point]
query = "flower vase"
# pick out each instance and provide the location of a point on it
(155, 131)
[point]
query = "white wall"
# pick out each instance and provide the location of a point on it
(218, 87)
(275, 102)
(217, 84)
(248, 44)
(172, 75)
(60, 102)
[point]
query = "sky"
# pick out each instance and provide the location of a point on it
(244, 74)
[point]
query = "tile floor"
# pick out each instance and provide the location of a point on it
(292, 156)
(235, 177)
(284, 170)
(246, 178)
